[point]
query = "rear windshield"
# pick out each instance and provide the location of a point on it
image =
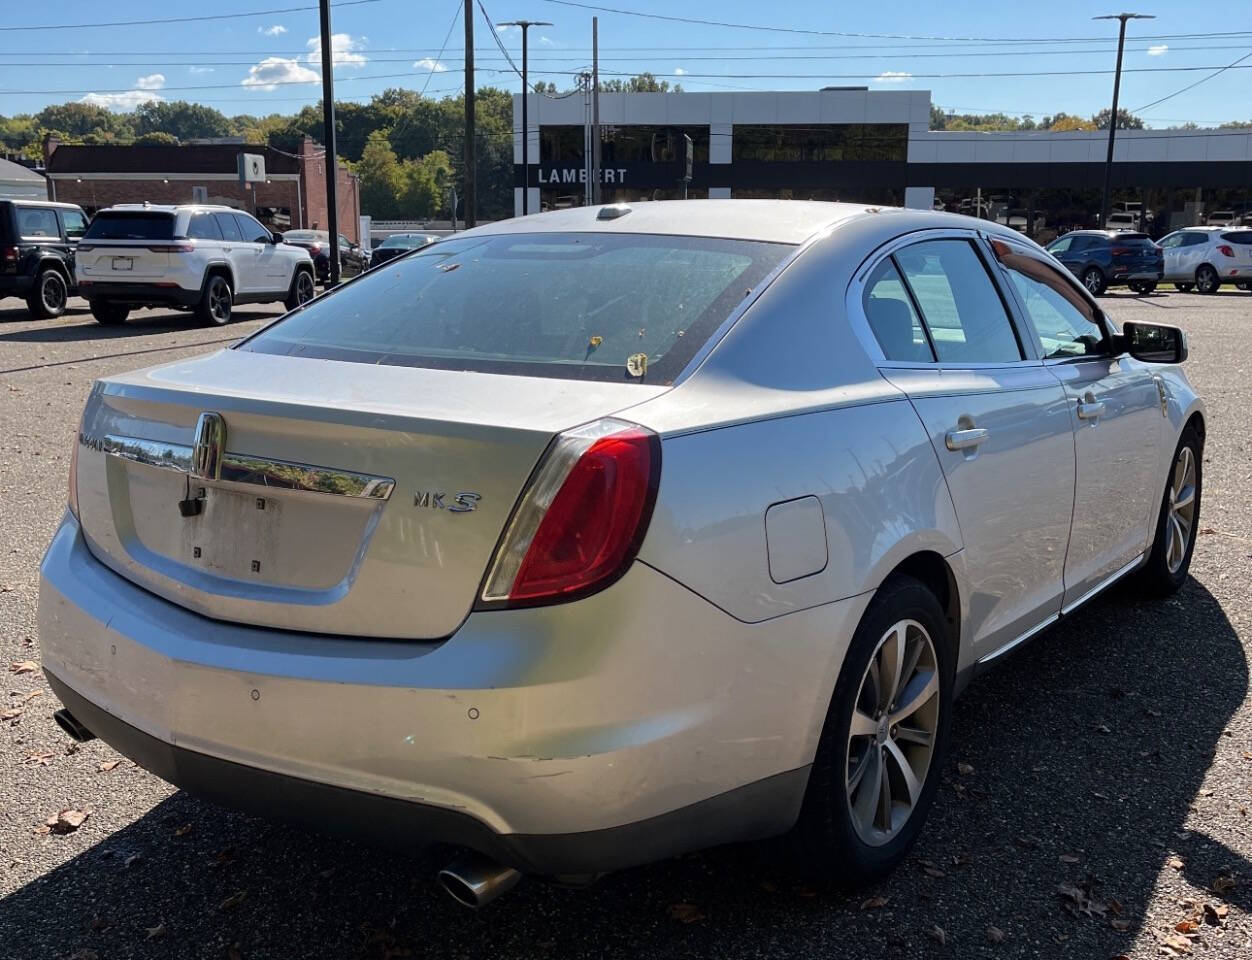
(1243, 237)
(578, 306)
(120, 225)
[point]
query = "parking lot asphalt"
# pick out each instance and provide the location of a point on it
(1096, 799)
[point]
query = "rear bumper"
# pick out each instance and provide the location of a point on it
(15, 284)
(138, 294)
(619, 729)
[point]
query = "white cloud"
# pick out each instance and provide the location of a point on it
(679, 72)
(430, 64)
(893, 76)
(344, 50)
(121, 102)
(1157, 49)
(277, 30)
(153, 81)
(272, 71)
(199, 69)
(546, 41)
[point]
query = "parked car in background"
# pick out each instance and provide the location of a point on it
(1222, 218)
(1203, 258)
(38, 241)
(353, 259)
(1107, 258)
(400, 243)
(200, 258)
(1122, 221)
(585, 539)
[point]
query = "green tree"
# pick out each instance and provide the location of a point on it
(426, 184)
(640, 83)
(382, 178)
(1125, 120)
(180, 119)
(157, 138)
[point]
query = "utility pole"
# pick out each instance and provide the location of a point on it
(1117, 83)
(471, 154)
(328, 135)
(595, 110)
(525, 25)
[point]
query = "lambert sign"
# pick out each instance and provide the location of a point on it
(572, 175)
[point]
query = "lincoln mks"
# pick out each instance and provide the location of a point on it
(583, 539)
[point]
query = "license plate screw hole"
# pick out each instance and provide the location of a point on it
(256, 694)
(256, 566)
(260, 503)
(195, 552)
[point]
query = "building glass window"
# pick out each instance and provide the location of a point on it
(825, 143)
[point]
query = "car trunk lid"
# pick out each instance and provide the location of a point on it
(338, 497)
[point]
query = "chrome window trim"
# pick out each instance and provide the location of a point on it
(241, 468)
(854, 307)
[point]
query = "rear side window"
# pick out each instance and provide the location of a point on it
(962, 310)
(226, 223)
(1194, 239)
(124, 225)
(578, 306)
(1241, 237)
(203, 226)
(36, 222)
(892, 317)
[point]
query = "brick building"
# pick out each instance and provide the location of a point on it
(292, 196)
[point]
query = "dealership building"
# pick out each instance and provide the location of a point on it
(870, 146)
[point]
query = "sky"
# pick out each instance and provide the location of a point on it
(269, 61)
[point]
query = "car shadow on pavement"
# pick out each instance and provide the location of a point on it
(84, 328)
(1080, 763)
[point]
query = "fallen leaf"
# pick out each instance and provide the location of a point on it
(67, 820)
(1103, 728)
(23, 666)
(40, 759)
(685, 912)
(995, 935)
(1175, 942)
(31, 696)
(1068, 858)
(962, 860)
(873, 903)
(133, 859)
(1115, 907)
(1216, 914)
(1097, 793)
(13, 713)
(183, 830)
(1224, 883)
(964, 769)
(1120, 925)
(236, 898)
(108, 765)
(157, 932)
(1174, 862)
(1186, 926)
(937, 934)
(934, 872)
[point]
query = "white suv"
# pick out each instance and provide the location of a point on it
(201, 258)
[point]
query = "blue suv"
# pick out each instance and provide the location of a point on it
(1109, 258)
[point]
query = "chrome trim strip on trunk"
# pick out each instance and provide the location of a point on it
(242, 468)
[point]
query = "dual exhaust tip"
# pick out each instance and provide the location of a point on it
(472, 880)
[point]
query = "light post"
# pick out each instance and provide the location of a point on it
(525, 25)
(1117, 83)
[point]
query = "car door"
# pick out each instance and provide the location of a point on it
(1116, 404)
(1191, 253)
(997, 419)
(273, 268)
(1171, 247)
(73, 226)
(238, 254)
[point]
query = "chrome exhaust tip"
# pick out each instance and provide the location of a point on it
(76, 731)
(474, 880)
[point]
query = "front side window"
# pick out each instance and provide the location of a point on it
(203, 226)
(74, 222)
(1063, 319)
(1061, 245)
(578, 306)
(228, 225)
(1173, 240)
(250, 230)
(34, 222)
(960, 306)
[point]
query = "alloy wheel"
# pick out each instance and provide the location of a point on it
(219, 301)
(52, 293)
(1180, 521)
(304, 288)
(892, 737)
(1206, 280)
(1093, 281)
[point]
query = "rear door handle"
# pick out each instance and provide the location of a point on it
(1090, 409)
(965, 439)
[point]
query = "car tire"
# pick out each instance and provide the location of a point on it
(839, 822)
(1184, 287)
(49, 295)
(1244, 285)
(1094, 280)
(108, 314)
(1143, 287)
(301, 291)
(1177, 524)
(1206, 279)
(216, 301)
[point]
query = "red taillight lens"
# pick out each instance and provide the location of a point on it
(1225, 250)
(10, 253)
(315, 249)
(1120, 251)
(581, 519)
(174, 248)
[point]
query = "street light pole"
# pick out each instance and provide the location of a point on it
(525, 25)
(328, 134)
(1117, 84)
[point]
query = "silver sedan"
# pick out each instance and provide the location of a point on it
(583, 539)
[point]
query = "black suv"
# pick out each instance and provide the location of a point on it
(37, 243)
(1107, 258)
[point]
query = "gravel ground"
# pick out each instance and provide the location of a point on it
(1112, 757)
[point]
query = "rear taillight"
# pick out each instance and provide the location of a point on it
(1120, 251)
(581, 518)
(315, 249)
(10, 253)
(1225, 250)
(173, 248)
(73, 491)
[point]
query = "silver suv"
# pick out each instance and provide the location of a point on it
(199, 258)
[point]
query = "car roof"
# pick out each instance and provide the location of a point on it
(173, 207)
(44, 203)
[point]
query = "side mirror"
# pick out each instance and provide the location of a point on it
(1153, 342)
(276, 238)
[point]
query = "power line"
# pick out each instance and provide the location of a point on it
(199, 19)
(1192, 86)
(456, 15)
